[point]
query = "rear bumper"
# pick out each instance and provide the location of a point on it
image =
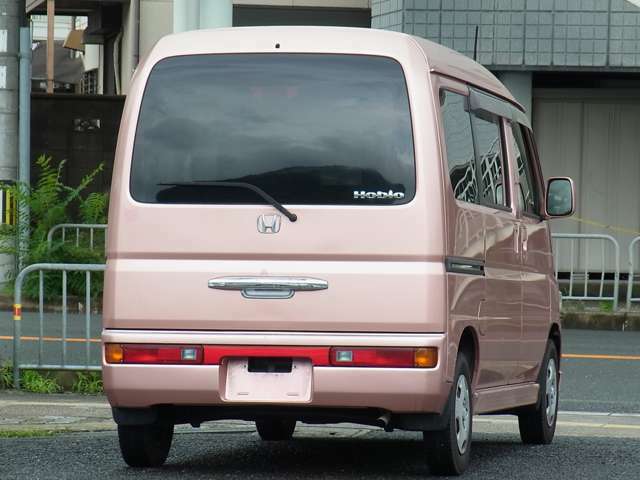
(398, 390)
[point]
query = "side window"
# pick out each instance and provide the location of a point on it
(486, 130)
(527, 192)
(459, 142)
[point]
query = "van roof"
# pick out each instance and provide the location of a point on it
(440, 59)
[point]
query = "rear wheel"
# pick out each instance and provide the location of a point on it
(145, 445)
(274, 429)
(538, 426)
(448, 450)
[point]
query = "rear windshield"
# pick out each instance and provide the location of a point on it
(307, 129)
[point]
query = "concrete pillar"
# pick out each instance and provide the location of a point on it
(520, 84)
(216, 14)
(197, 14)
(185, 15)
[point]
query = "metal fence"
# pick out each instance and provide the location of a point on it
(18, 362)
(78, 228)
(585, 261)
(630, 297)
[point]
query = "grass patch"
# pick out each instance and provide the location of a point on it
(27, 433)
(88, 383)
(32, 381)
(6, 376)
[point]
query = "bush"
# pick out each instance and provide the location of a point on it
(50, 202)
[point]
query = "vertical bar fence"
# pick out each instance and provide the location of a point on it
(78, 229)
(586, 282)
(18, 362)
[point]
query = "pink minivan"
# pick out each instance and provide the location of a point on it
(326, 225)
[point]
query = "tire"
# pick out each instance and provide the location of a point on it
(448, 451)
(275, 429)
(145, 445)
(538, 425)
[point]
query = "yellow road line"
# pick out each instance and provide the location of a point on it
(601, 357)
(50, 339)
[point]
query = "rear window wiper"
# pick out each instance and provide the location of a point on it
(265, 196)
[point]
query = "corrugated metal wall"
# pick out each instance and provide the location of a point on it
(594, 137)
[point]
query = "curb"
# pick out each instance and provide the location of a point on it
(622, 321)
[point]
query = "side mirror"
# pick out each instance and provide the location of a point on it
(560, 201)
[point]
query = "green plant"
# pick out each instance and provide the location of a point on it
(51, 202)
(6, 376)
(606, 306)
(88, 383)
(32, 381)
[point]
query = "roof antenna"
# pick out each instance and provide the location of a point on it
(475, 46)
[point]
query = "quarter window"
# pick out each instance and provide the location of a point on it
(527, 192)
(486, 131)
(459, 143)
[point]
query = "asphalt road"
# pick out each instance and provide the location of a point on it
(577, 452)
(598, 435)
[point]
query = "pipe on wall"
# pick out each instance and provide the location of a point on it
(135, 34)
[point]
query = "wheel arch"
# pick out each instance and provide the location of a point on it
(469, 345)
(556, 337)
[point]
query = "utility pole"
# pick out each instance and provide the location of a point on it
(10, 17)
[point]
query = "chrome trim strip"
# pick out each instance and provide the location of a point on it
(268, 287)
(470, 266)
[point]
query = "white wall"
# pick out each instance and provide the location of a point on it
(592, 136)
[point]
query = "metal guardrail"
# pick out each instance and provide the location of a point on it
(63, 227)
(17, 316)
(587, 276)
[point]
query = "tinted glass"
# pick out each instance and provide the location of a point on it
(459, 142)
(486, 130)
(528, 193)
(307, 129)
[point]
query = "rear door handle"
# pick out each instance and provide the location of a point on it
(268, 287)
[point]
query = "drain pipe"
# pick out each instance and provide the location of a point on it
(116, 62)
(135, 35)
(24, 138)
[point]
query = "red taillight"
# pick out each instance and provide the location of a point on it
(157, 354)
(381, 357)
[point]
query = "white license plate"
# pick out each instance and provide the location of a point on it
(243, 385)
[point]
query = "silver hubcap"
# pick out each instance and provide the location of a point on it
(462, 414)
(552, 391)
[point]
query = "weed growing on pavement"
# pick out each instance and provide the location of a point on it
(27, 433)
(606, 306)
(6, 376)
(88, 383)
(32, 381)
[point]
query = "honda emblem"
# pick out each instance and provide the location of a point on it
(269, 223)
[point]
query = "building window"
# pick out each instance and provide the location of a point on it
(90, 82)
